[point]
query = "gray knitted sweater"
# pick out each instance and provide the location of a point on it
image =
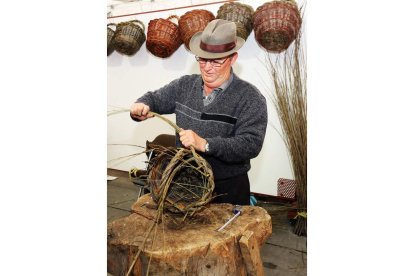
(234, 124)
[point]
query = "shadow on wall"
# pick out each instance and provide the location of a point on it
(141, 58)
(176, 62)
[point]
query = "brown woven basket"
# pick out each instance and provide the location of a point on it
(276, 24)
(109, 42)
(193, 22)
(240, 14)
(129, 37)
(163, 37)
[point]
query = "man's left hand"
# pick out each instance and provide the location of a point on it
(189, 138)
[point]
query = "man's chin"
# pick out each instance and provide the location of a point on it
(208, 79)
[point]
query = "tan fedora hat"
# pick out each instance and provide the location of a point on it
(217, 40)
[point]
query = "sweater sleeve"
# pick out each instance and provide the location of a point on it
(249, 135)
(162, 100)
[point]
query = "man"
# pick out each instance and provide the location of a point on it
(221, 116)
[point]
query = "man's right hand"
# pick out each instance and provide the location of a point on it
(141, 111)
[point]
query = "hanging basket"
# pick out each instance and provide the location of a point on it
(180, 179)
(276, 24)
(240, 14)
(109, 39)
(193, 22)
(163, 37)
(129, 37)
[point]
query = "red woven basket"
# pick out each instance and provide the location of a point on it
(240, 14)
(163, 37)
(193, 22)
(129, 37)
(276, 24)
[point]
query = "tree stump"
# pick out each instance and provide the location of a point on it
(189, 247)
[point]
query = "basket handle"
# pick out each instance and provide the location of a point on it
(139, 22)
(110, 24)
(173, 16)
(169, 18)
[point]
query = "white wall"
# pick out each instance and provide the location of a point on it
(131, 77)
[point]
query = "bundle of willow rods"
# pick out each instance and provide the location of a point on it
(289, 77)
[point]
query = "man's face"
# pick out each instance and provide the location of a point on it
(215, 71)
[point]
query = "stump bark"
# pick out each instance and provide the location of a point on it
(189, 247)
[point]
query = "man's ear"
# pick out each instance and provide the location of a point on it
(234, 58)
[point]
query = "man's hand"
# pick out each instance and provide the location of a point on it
(141, 111)
(189, 138)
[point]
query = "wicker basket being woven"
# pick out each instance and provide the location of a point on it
(129, 37)
(180, 179)
(240, 14)
(276, 24)
(163, 37)
(193, 22)
(109, 42)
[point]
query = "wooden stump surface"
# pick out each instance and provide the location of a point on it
(189, 247)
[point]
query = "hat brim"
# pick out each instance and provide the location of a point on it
(196, 50)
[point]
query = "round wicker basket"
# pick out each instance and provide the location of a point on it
(276, 24)
(129, 37)
(109, 42)
(163, 37)
(193, 22)
(240, 14)
(180, 179)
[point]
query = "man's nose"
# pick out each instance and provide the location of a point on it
(208, 65)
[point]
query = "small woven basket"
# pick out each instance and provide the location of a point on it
(163, 37)
(240, 14)
(180, 179)
(109, 42)
(276, 24)
(193, 22)
(129, 37)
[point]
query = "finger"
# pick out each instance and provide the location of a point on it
(134, 109)
(145, 110)
(138, 110)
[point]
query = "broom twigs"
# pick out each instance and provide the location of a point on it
(289, 77)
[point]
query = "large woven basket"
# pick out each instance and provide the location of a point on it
(163, 37)
(193, 22)
(179, 180)
(129, 37)
(276, 24)
(240, 14)
(109, 42)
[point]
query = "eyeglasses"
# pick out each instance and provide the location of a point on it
(216, 63)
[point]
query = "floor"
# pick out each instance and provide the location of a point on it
(283, 254)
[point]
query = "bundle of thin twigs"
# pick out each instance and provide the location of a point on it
(289, 76)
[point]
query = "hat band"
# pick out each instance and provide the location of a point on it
(221, 48)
